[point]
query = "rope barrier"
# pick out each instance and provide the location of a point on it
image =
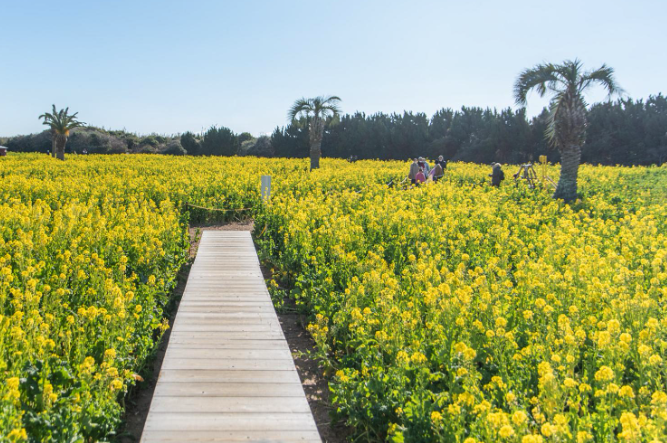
(217, 209)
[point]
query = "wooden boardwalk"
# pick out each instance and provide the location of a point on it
(228, 374)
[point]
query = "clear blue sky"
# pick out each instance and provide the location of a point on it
(172, 66)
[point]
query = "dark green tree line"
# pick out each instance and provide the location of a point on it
(623, 132)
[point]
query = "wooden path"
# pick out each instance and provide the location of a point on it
(228, 374)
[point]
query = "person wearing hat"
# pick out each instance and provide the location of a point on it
(497, 175)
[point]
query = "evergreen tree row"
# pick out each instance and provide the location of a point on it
(624, 132)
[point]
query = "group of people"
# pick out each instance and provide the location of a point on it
(420, 170)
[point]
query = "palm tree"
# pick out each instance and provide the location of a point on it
(61, 123)
(318, 111)
(567, 111)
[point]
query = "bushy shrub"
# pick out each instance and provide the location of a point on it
(190, 143)
(174, 147)
(40, 142)
(260, 147)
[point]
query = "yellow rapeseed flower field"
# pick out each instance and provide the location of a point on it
(450, 312)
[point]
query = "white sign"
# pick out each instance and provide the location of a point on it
(266, 187)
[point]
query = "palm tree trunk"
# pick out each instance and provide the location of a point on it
(316, 134)
(315, 154)
(61, 141)
(569, 169)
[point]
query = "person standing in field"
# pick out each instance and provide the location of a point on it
(424, 165)
(414, 169)
(442, 162)
(438, 173)
(497, 175)
(420, 177)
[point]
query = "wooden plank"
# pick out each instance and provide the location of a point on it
(290, 421)
(268, 327)
(228, 373)
(266, 303)
(231, 404)
(207, 343)
(191, 389)
(213, 309)
(268, 345)
(231, 436)
(199, 314)
(264, 309)
(229, 354)
(205, 295)
(227, 376)
(216, 335)
(239, 365)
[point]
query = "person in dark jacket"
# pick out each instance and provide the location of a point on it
(497, 175)
(442, 162)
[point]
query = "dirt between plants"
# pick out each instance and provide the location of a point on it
(299, 341)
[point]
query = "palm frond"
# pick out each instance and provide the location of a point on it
(61, 122)
(331, 110)
(541, 78)
(331, 99)
(554, 109)
(302, 106)
(569, 71)
(317, 107)
(603, 75)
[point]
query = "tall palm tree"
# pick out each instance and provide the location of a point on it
(60, 123)
(318, 111)
(567, 117)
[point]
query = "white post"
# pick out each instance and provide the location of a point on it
(266, 187)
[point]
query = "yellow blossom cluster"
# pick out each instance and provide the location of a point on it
(450, 312)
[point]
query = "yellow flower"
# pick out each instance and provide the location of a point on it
(519, 418)
(655, 360)
(569, 382)
(17, 434)
(604, 374)
(659, 398)
(12, 382)
(626, 338)
(626, 391)
(454, 409)
(506, 431)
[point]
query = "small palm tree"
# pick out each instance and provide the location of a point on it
(567, 117)
(318, 111)
(60, 123)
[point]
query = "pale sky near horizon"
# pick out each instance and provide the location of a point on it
(173, 66)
